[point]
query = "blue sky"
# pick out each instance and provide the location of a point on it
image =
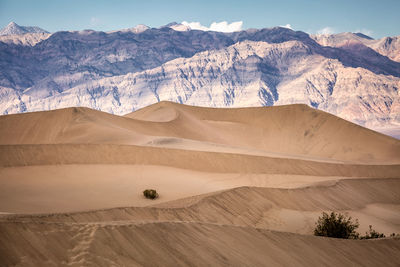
(376, 18)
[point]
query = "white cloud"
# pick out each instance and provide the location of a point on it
(288, 26)
(195, 26)
(222, 26)
(326, 30)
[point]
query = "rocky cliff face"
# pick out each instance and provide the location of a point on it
(122, 71)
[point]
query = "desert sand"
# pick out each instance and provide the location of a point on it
(239, 187)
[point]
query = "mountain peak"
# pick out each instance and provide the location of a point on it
(177, 27)
(137, 29)
(12, 25)
(140, 28)
(14, 28)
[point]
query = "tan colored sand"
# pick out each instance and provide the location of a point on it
(182, 244)
(291, 130)
(66, 188)
(374, 201)
(226, 177)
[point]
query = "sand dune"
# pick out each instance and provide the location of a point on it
(237, 187)
(27, 155)
(182, 244)
(290, 210)
(66, 188)
(291, 130)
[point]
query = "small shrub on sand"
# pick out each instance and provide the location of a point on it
(394, 235)
(336, 225)
(150, 194)
(372, 234)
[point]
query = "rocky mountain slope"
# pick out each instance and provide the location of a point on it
(26, 39)
(387, 46)
(349, 75)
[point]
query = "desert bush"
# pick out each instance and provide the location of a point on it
(150, 194)
(394, 235)
(336, 225)
(372, 234)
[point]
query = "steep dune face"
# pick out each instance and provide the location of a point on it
(227, 179)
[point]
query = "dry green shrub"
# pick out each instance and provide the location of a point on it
(336, 225)
(150, 194)
(372, 234)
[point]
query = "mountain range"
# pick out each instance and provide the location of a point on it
(350, 75)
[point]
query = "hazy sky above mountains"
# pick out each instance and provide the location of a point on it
(374, 18)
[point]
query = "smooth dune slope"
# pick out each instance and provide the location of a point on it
(218, 162)
(289, 129)
(182, 244)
